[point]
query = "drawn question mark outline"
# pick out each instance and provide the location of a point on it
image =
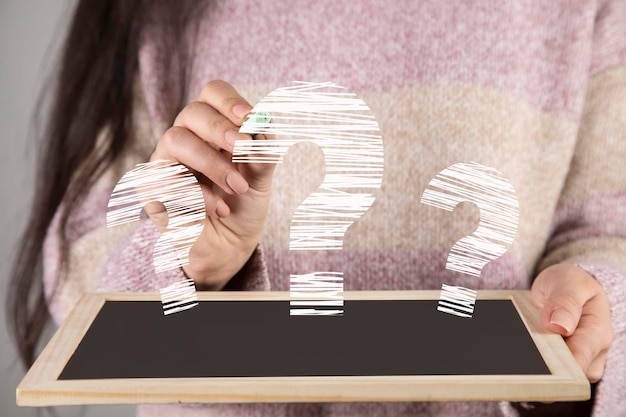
(497, 201)
(343, 127)
(173, 185)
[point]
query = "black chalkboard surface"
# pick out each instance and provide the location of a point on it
(245, 347)
(260, 339)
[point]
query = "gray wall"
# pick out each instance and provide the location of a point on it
(29, 32)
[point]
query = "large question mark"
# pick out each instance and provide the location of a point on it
(173, 185)
(348, 135)
(495, 197)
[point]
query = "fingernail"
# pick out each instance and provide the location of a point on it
(561, 318)
(222, 209)
(241, 110)
(236, 182)
(231, 136)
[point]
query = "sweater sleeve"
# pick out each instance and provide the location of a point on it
(129, 267)
(589, 227)
(115, 259)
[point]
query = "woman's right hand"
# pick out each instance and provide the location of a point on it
(236, 194)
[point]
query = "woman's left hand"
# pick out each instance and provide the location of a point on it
(575, 305)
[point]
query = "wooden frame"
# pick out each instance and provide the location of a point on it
(40, 386)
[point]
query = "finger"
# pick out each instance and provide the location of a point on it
(596, 369)
(575, 305)
(226, 100)
(158, 214)
(182, 145)
(561, 291)
(562, 310)
(210, 125)
(593, 337)
(589, 345)
(259, 174)
(213, 203)
(561, 314)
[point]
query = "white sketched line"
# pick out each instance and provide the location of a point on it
(349, 136)
(347, 133)
(499, 212)
(316, 294)
(179, 296)
(458, 301)
(173, 185)
(497, 202)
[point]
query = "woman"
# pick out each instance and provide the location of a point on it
(536, 90)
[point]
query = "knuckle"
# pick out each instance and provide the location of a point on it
(594, 375)
(207, 156)
(596, 370)
(212, 87)
(220, 94)
(229, 101)
(212, 165)
(188, 112)
(193, 116)
(171, 138)
(221, 125)
(569, 301)
(183, 115)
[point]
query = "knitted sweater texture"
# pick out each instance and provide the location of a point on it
(533, 88)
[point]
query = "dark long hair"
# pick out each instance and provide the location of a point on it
(94, 91)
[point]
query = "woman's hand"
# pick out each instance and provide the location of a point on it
(236, 195)
(575, 305)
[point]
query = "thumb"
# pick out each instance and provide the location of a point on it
(259, 175)
(560, 301)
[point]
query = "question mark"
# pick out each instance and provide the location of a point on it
(348, 135)
(173, 185)
(495, 197)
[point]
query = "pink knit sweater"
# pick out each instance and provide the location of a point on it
(533, 88)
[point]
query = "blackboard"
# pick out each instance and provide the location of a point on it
(388, 346)
(260, 339)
